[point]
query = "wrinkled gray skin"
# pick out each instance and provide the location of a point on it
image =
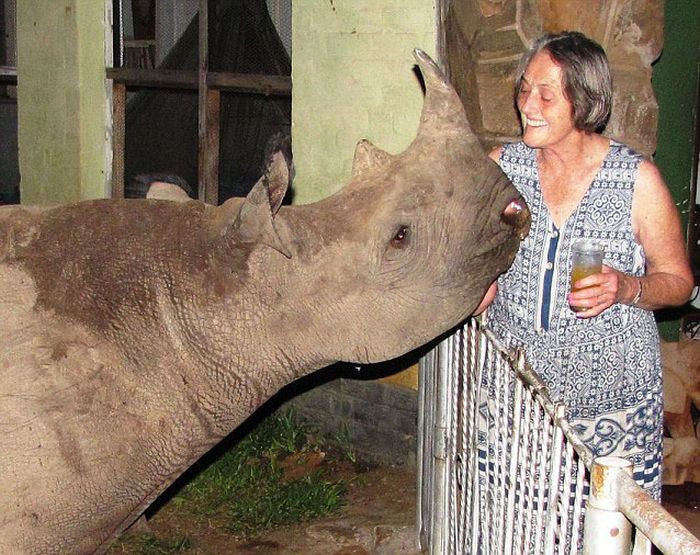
(134, 335)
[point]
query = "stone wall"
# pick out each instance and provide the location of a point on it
(484, 39)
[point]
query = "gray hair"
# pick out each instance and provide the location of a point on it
(585, 76)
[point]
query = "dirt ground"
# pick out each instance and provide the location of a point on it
(683, 502)
(378, 518)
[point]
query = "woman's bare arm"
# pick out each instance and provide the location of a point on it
(668, 280)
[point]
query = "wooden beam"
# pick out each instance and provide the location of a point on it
(118, 136)
(209, 144)
(279, 85)
(165, 78)
(8, 74)
(207, 158)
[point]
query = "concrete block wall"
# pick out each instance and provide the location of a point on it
(352, 73)
(380, 419)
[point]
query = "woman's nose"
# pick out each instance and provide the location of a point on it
(525, 102)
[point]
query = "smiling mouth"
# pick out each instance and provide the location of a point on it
(535, 122)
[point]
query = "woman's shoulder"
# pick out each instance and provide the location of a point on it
(649, 184)
(649, 176)
(622, 151)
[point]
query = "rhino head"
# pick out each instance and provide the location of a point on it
(134, 335)
(403, 252)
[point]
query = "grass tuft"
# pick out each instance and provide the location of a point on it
(147, 544)
(274, 475)
(270, 478)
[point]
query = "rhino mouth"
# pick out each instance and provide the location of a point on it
(498, 250)
(513, 220)
(501, 253)
(512, 228)
(516, 214)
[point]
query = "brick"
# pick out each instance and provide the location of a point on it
(399, 397)
(382, 447)
(362, 389)
(400, 422)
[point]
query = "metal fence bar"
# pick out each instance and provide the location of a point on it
(528, 491)
(512, 467)
(438, 445)
(468, 463)
(501, 470)
(554, 470)
(487, 489)
(520, 511)
(425, 467)
(577, 509)
(568, 516)
(655, 522)
(453, 431)
(503, 440)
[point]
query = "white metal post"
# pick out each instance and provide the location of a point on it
(606, 530)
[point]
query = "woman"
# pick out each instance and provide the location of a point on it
(602, 361)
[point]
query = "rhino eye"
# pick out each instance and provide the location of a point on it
(400, 238)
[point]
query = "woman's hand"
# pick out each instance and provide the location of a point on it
(597, 292)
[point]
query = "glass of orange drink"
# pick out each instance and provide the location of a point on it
(586, 259)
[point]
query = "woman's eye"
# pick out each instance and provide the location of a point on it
(400, 237)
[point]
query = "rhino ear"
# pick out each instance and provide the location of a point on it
(368, 157)
(255, 220)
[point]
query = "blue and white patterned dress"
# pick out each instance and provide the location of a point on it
(607, 369)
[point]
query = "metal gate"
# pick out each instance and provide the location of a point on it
(500, 471)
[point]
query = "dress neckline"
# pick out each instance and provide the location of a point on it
(581, 202)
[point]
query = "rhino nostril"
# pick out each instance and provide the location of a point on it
(517, 215)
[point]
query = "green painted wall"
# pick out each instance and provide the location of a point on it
(62, 100)
(675, 82)
(352, 73)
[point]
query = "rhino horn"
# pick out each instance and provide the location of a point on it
(443, 113)
(368, 157)
(255, 222)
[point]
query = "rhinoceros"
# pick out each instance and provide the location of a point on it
(136, 334)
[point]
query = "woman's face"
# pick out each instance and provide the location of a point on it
(546, 113)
